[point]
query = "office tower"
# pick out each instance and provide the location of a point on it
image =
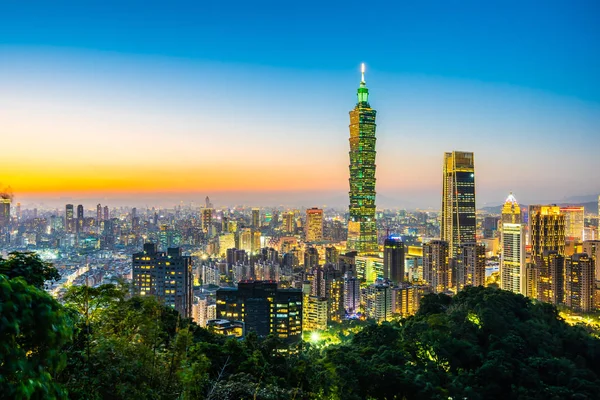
(393, 260)
(69, 221)
(574, 221)
(207, 202)
(288, 222)
(512, 240)
(207, 215)
(246, 240)
(490, 226)
(369, 268)
(435, 265)
(378, 302)
(579, 283)
(546, 229)
(362, 229)
(18, 211)
(313, 229)
(264, 308)
(311, 258)
(106, 214)
(470, 265)
(315, 314)
(256, 218)
(592, 249)
(458, 223)
(550, 277)
(351, 294)
(329, 283)
(4, 211)
(80, 212)
(166, 275)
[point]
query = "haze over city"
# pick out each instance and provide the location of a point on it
(180, 107)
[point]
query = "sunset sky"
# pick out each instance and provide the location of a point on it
(247, 102)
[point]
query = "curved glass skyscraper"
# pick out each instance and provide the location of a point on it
(362, 230)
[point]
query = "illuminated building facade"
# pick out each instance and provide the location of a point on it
(458, 224)
(546, 230)
(207, 217)
(166, 275)
(288, 222)
(393, 260)
(470, 265)
(315, 314)
(351, 294)
(313, 229)
(579, 283)
(4, 212)
(592, 249)
(263, 308)
(378, 302)
(369, 268)
(69, 218)
(574, 221)
(362, 230)
(551, 277)
(436, 270)
(512, 238)
(256, 218)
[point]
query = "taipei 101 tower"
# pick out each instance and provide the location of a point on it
(362, 229)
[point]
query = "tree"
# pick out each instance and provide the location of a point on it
(30, 267)
(33, 330)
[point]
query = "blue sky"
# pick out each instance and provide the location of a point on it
(515, 82)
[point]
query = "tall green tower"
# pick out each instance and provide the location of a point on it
(362, 229)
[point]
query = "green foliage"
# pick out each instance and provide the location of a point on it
(483, 343)
(30, 267)
(33, 329)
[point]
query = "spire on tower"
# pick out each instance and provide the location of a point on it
(362, 70)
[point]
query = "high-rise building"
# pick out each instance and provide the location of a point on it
(315, 314)
(313, 229)
(69, 221)
(369, 268)
(4, 211)
(331, 255)
(311, 258)
(458, 224)
(362, 230)
(579, 283)
(106, 214)
(393, 260)
(166, 275)
(550, 277)
(264, 308)
(378, 302)
(436, 270)
(256, 218)
(592, 249)
(288, 222)
(574, 221)
(98, 214)
(470, 265)
(351, 294)
(546, 230)
(207, 216)
(512, 239)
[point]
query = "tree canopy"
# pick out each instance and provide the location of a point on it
(483, 343)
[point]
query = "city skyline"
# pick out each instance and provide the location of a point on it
(96, 120)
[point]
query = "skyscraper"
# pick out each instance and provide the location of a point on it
(69, 221)
(470, 262)
(579, 283)
(256, 218)
(362, 229)
(288, 222)
(166, 275)
(512, 239)
(574, 221)
(98, 214)
(546, 230)
(4, 211)
(106, 213)
(393, 260)
(458, 223)
(313, 229)
(435, 265)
